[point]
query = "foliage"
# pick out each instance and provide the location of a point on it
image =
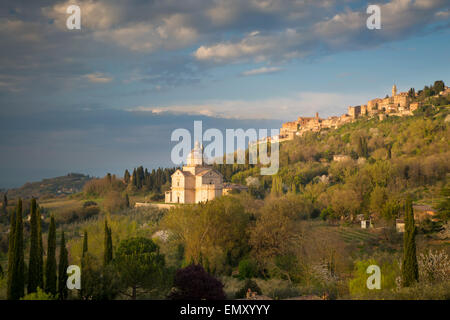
(249, 284)
(62, 269)
(17, 280)
(140, 266)
(194, 283)
(33, 266)
(434, 267)
(247, 269)
(410, 269)
(50, 265)
(108, 247)
(39, 294)
(213, 234)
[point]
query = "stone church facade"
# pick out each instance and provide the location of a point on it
(196, 182)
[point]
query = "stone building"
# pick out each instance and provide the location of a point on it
(398, 104)
(196, 182)
(354, 112)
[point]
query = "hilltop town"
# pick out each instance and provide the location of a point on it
(398, 104)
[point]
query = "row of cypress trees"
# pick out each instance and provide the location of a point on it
(37, 276)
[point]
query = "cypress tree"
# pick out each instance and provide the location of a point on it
(18, 267)
(410, 268)
(62, 269)
(83, 255)
(12, 230)
(127, 200)
(33, 265)
(85, 244)
(40, 264)
(108, 251)
(126, 176)
(50, 266)
(134, 178)
(5, 203)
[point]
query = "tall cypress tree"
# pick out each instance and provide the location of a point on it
(12, 231)
(5, 203)
(126, 176)
(18, 267)
(410, 268)
(83, 256)
(85, 244)
(127, 200)
(62, 269)
(33, 265)
(40, 278)
(108, 251)
(50, 265)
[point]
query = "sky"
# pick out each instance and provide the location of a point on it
(108, 96)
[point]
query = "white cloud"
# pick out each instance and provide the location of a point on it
(172, 33)
(345, 30)
(262, 70)
(257, 47)
(299, 104)
(97, 77)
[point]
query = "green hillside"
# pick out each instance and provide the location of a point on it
(52, 187)
(387, 160)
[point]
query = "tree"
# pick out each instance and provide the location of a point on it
(62, 269)
(216, 231)
(12, 230)
(410, 269)
(50, 266)
(84, 265)
(33, 264)
(18, 267)
(40, 250)
(134, 178)
(126, 176)
(194, 283)
(127, 201)
(5, 203)
(438, 86)
(108, 248)
(277, 186)
(85, 243)
(443, 207)
(140, 265)
(362, 149)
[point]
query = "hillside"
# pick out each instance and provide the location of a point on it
(52, 187)
(367, 166)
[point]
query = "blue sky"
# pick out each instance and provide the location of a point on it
(107, 97)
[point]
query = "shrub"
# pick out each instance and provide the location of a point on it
(247, 269)
(249, 284)
(434, 267)
(194, 283)
(157, 197)
(39, 295)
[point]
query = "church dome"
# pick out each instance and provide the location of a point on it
(195, 157)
